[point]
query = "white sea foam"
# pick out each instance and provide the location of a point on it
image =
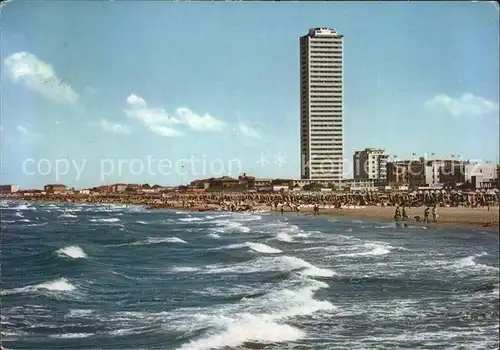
(73, 251)
(67, 216)
(184, 269)
(60, 285)
(308, 268)
(258, 247)
(157, 240)
(79, 313)
(284, 237)
(259, 319)
(72, 210)
(214, 235)
(105, 220)
(262, 248)
(18, 214)
(246, 327)
(21, 207)
(71, 335)
(141, 222)
(190, 219)
(230, 226)
(469, 263)
(374, 249)
(279, 263)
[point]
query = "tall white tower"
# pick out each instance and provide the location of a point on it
(321, 105)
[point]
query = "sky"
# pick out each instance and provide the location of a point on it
(167, 92)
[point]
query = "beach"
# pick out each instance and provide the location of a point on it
(478, 212)
(479, 218)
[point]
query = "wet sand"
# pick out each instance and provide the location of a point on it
(479, 219)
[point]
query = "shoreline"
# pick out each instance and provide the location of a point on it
(477, 219)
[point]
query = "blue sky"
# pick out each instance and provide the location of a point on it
(92, 84)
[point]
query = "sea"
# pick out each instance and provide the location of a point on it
(79, 276)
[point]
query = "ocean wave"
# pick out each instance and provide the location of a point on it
(374, 249)
(185, 269)
(246, 327)
(284, 237)
(73, 251)
(71, 335)
(262, 248)
(157, 240)
(263, 264)
(190, 219)
(214, 235)
(60, 285)
(77, 313)
(110, 220)
(225, 226)
(20, 207)
(469, 262)
(257, 247)
(141, 222)
(260, 319)
(68, 216)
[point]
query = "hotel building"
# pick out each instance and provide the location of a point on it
(370, 164)
(321, 105)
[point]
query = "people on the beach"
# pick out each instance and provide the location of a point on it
(426, 215)
(316, 209)
(405, 215)
(435, 215)
(290, 201)
(397, 214)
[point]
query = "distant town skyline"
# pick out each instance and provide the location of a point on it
(89, 82)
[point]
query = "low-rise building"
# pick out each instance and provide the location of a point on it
(54, 188)
(119, 187)
(9, 188)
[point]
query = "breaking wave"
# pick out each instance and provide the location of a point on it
(74, 252)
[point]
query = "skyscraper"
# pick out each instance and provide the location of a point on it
(321, 105)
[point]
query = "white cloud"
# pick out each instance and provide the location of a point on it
(136, 101)
(114, 127)
(156, 119)
(23, 130)
(249, 131)
(152, 118)
(40, 76)
(466, 105)
(197, 122)
(164, 131)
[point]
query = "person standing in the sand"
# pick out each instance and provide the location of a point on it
(397, 214)
(426, 215)
(434, 214)
(405, 215)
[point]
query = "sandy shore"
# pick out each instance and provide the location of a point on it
(479, 219)
(459, 217)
